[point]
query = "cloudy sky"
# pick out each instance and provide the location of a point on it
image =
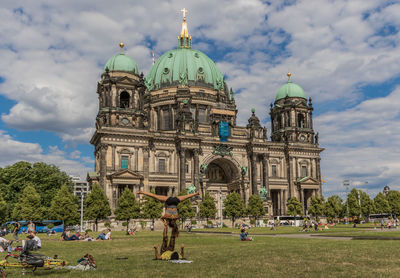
(345, 54)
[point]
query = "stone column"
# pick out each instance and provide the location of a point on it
(284, 202)
(196, 168)
(182, 178)
(254, 174)
(301, 192)
(278, 199)
(319, 176)
(136, 166)
(103, 152)
(146, 153)
(113, 157)
(265, 173)
(281, 201)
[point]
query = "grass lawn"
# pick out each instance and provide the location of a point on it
(226, 256)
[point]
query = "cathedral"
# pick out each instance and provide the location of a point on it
(176, 129)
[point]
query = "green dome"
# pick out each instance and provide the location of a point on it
(121, 62)
(184, 66)
(290, 89)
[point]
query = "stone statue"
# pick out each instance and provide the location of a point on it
(191, 189)
(243, 171)
(263, 193)
(264, 132)
(316, 138)
(203, 168)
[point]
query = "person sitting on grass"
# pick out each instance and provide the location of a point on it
(167, 251)
(37, 240)
(87, 237)
(103, 236)
(76, 236)
(244, 236)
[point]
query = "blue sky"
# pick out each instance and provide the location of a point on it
(345, 55)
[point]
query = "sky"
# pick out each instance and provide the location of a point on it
(344, 54)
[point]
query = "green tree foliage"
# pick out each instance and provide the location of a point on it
(354, 208)
(208, 209)
(234, 207)
(3, 210)
(393, 198)
(317, 207)
(334, 207)
(46, 179)
(152, 208)
(381, 204)
(128, 208)
(64, 206)
(28, 205)
(367, 205)
(96, 205)
(294, 207)
(255, 208)
(185, 209)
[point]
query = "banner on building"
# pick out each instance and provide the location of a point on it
(223, 131)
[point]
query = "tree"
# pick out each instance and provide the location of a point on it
(317, 207)
(334, 207)
(255, 208)
(185, 209)
(367, 205)
(381, 204)
(152, 208)
(64, 206)
(294, 207)
(393, 198)
(46, 179)
(208, 209)
(234, 207)
(353, 203)
(28, 206)
(3, 210)
(96, 205)
(128, 208)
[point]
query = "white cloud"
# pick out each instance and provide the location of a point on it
(13, 151)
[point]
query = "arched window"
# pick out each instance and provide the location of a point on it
(202, 115)
(300, 120)
(303, 171)
(166, 119)
(124, 100)
(274, 173)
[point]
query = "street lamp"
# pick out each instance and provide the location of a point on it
(346, 184)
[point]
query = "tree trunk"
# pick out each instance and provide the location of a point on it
(127, 226)
(233, 222)
(95, 222)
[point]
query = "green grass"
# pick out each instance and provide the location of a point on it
(226, 256)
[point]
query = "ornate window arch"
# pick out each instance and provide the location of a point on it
(124, 99)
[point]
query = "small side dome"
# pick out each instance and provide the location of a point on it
(121, 62)
(290, 89)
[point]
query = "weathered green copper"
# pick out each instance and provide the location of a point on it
(290, 89)
(184, 66)
(121, 62)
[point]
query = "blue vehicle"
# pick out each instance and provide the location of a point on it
(40, 226)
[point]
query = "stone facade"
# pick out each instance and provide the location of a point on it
(168, 138)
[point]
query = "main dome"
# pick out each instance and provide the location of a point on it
(290, 89)
(121, 62)
(184, 66)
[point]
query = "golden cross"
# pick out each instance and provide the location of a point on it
(184, 11)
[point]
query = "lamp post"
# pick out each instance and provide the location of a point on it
(346, 184)
(81, 208)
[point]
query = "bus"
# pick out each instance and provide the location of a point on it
(40, 226)
(380, 216)
(291, 220)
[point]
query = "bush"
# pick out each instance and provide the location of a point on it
(89, 230)
(252, 221)
(265, 221)
(124, 224)
(107, 224)
(194, 222)
(209, 222)
(143, 224)
(224, 225)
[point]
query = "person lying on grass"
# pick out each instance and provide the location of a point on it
(167, 251)
(244, 236)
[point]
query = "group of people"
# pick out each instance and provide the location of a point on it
(66, 236)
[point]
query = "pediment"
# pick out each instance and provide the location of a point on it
(126, 174)
(307, 180)
(125, 79)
